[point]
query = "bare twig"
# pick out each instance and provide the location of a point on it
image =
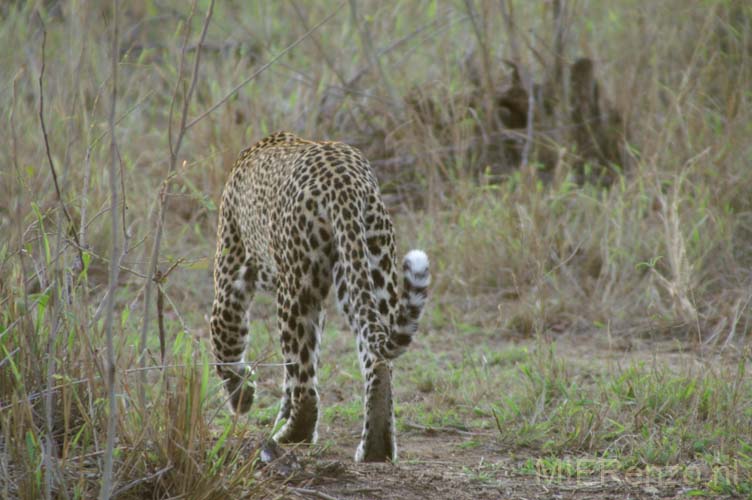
(372, 57)
(560, 29)
(141, 480)
(530, 115)
(106, 488)
(10, 355)
(323, 53)
(312, 493)
(449, 430)
(507, 13)
(71, 225)
(36, 395)
(262, 69)
(49, 443)
(50, 468)
(174, 151)
(558, 13)
(159, 277)
(19, 218)
(401, 41)
(480, 35)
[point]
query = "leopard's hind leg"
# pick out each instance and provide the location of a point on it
(234, 284)
(301, 291)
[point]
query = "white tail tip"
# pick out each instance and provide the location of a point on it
(416, 267)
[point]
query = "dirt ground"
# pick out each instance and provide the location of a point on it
(458, 464)
(434, 466)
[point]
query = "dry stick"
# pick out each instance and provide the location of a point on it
(71, 225)
(136, 482)
(36, 395)
(19, 216)
(324, 54)
(49, 445)
(558, 13)
(160, 278)
(485, 56)
(507, 13)
(312, 493)
(530, 114)
(321, 50)
(559, 10)
(373, 58)
(152, 270)
(63, 289)
(106, 488)
(68, 277)
(51, 365)
(262, 69)
(399, 42)
(174, 150)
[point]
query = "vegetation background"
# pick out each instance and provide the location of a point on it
(589, 321)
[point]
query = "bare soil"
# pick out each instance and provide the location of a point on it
(458, 464)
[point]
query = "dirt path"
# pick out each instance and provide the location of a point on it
(450, 465)
(471, 463)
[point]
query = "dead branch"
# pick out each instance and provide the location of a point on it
(50, 468)
(530, 117)
(71, 225)
(106, 488)
(480, 35)
(262, 69)
(312, 493)
(323, 53)
(372, 57)
(174, 151)
(160, 278)
(507, 13)
(558, 13)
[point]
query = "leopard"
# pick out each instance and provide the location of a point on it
(298, 218)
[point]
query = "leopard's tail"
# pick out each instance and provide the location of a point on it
(415, 281)
(367, 288)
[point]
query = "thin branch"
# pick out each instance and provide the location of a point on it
(447, 429)
(559, 7)
(19, 214)
(349, 86)
(71, 226)
(323, 52)
(159, 277)
(142, 480)
(126, 231)
(480, 35)
(36, 395)
(179, 79)
(262, 69)
(530, 116)
(372, 57)
(312, 493)
(10, 355)
(174, 151)
(106, 488)
(50, 468)
(507, 13)
(49, 443)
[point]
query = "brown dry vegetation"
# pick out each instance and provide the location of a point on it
(578, 172)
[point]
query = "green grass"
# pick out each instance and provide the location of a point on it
(584, 419)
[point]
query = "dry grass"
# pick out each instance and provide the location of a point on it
(664, 253)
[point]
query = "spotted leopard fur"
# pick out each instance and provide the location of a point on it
(298, 217)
